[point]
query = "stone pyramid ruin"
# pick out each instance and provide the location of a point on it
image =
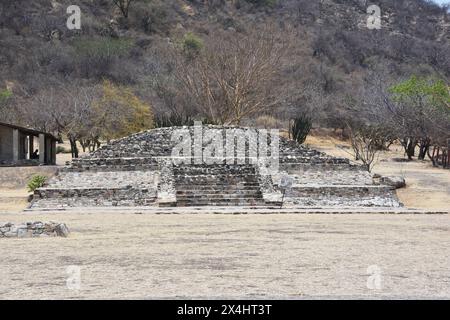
(218, 166)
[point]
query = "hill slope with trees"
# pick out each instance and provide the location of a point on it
(223, 61)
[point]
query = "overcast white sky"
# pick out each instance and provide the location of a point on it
(441, 1)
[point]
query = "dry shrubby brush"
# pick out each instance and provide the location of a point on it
(137, 64)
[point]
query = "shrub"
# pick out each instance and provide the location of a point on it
(365, 143)
(36, 182)
(5, 95)
(103, 58)
(154, 18)
(173, 120)
(300, 129)
(104, 47)
(192, 44)
(60, 149)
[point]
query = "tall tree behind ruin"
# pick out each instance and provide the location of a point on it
(233, 76)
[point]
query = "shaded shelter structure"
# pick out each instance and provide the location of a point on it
(18, 146)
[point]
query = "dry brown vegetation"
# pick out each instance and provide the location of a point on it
(331, 52)
(229, 256)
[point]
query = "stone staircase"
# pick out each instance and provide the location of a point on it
(140, 171)
(217, 185)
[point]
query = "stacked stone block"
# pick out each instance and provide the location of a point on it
(140, 170)
(33, 230)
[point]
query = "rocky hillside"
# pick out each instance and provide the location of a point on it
(331, 47)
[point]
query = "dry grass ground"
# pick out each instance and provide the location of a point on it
(13, 182)
(125, 255)
(230, 256)
(426, 187)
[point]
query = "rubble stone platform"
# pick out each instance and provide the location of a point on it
(142, 171)
(243, 210)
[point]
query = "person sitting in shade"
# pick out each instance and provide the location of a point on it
(35, 154)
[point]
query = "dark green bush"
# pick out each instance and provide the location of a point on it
(192, 44)
(300, 128)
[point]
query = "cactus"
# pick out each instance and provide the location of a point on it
(300, 128)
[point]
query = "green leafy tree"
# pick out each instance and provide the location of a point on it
(423, 108)
(119, 112)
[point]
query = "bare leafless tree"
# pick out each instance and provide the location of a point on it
(364, 140)
(63, 109)
(123, 5)
(232, 77)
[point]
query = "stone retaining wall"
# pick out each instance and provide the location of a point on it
(341, 196)
(328, 175)
(106, 179)
(88, 197)
(33, 229)
(139, 170)
(116, 164)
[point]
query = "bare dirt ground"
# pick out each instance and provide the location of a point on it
(231, 256)
(145, 256)
(426, 187)
(13, 182)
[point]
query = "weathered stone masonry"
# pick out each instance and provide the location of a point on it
(138, 171)
(33, 230)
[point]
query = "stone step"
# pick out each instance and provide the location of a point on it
(222, 172)
(217, 176)
(220, 203)
(219, 168)
(213, 185)
(217, 196)
(231, 187)
(216, 167)
(255, 192)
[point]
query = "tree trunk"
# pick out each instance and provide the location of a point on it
(73, 147)
(432, 156)
(409, 145)
(423, 148)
